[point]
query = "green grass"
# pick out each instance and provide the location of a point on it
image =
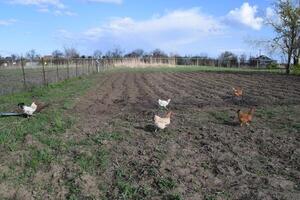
(281, 118)
(45, 128)
(38, 157)
(172, 197)
(126, 188)
(52, 120)
(92, 163)
(166, 184)
(221, 116)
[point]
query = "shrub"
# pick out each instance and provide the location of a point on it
(272, 66)
(296, 69)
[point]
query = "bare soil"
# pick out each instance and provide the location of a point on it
(204, 153)
(112, 151)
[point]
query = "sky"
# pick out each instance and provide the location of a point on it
(185, 27)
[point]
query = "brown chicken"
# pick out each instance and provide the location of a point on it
(245, 117)
(41, 106)
(162, 122)
(238, 92)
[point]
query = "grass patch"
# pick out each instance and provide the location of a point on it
(106, 136)
(172, 197)
(166, 184)
(45, 128)
(218, 195)
(93, 163)
(126, 189)
(39, 157)
(281, 118)
(221, 116)
(52, 120)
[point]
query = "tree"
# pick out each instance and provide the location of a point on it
(228, 59)
(71, 52)
(253, 62)
(286, 26)
(97, 54)
(31, 55)
(243, 59)
(14, 57)
(137, 53)
(159, 53)
(114, 53)
(57, 54)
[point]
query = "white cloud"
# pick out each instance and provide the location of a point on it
(40, 3)
(64, 12)
(55, 7)
(43, 10)
(171, 31)
(246, 15)
(106, 1)
(7, 22)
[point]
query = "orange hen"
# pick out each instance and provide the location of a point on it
(245, 117)
(162, 122)
(238, 92)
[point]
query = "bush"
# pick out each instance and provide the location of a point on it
(296, 69)
(272, 66)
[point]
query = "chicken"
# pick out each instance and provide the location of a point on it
(164, 103)
(245, 117)
(28, 110)
(162, 122)
(41, 106)
(238, 92)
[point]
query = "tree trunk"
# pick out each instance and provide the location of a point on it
(298, 57)
(288, 66)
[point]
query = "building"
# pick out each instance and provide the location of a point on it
(264, 61)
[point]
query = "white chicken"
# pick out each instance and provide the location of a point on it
(28, 110)
(164, 103)
(162, 122)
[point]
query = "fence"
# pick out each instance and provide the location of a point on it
(24, 74)
(17, 75)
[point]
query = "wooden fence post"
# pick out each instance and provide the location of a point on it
(76, 64)
(23, 72)
(68, 69)
(88, 65)
(57, 74)
(44, 74)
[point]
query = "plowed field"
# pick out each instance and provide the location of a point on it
(204, 153)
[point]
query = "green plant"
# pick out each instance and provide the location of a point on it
(165, 184)
(172, 197)
(39, 157)
(272, 66)
(221, 116)
(296, 69)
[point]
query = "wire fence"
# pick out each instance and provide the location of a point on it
(24, 74)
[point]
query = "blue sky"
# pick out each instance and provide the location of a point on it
(187, 27)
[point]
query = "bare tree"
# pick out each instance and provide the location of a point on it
(243, 59)
(114, 53)
(14, 57)
(57, 54)
(228, 59)
(31, 55)
(97, 54)
(286, 26)
(71, 52)
(159, 53)
(137, 53)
